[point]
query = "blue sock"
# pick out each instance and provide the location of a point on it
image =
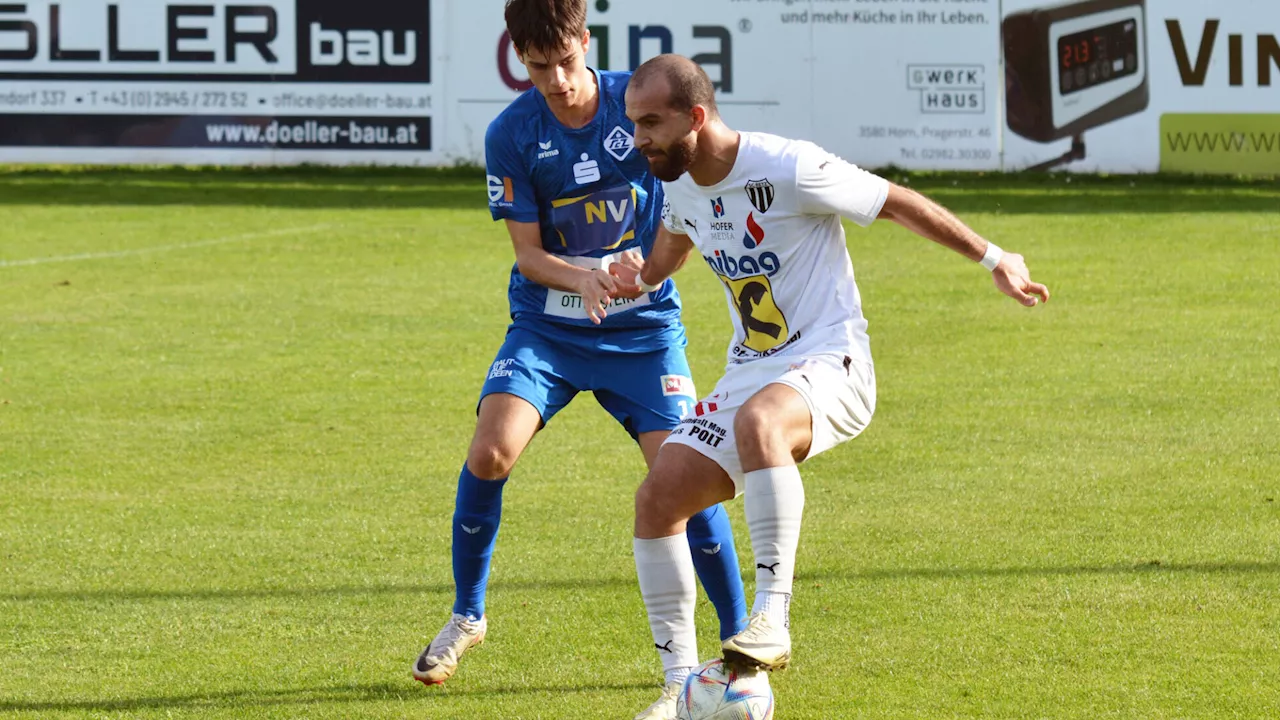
(476, 514)
(716, 561)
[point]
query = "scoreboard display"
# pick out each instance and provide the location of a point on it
(1072, 67)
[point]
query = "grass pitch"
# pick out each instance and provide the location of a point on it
(233, 405)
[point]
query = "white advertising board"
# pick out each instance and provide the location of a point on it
(914, 83)
(1084, 85)
(218, 81)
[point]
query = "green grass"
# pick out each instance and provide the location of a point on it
(227, 469)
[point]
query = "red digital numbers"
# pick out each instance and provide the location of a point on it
(1078, 53)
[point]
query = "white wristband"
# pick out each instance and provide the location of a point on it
(645, 286)
(992, 258)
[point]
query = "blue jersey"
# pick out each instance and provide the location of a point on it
(593, 196)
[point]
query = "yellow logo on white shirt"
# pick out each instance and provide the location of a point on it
(764, 327)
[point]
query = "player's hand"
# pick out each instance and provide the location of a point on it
(598, 288)
(1014, 279)
(626, 274)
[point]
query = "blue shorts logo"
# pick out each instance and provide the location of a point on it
(501, 368)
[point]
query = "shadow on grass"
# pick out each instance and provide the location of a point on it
(874, 575)
(288, 592)
(1153, 567)
(407, 691)
(220, 188)
(408, 188)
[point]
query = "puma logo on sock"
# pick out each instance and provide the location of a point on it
(770, 568)
(666, 647)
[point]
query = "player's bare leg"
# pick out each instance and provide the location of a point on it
(773, 431)
(504, 427)
(715, 554)
(650, 444)
(681, 483)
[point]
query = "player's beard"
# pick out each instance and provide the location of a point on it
(675, 160)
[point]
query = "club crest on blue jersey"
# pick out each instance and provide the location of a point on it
(604, 220)
(619, 143)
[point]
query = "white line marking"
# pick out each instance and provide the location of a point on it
(163, 248)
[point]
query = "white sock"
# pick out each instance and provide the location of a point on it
(665, 569)
(776, 605)
(773, 501)
(677, 675)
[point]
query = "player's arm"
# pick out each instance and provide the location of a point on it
(827, 184)
(596, 287)
(671, 247)
(928, 219)
(637, 275)
(670, 251)
(512, 198)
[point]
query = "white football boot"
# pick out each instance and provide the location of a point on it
(761, 645)
(440, 660)
(664, 708)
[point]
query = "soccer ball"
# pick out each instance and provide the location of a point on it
(718, 691)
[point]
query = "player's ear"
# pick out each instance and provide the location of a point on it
(586, 44)
(699, 114)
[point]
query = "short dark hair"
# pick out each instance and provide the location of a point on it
(688, 82)
(545, 24)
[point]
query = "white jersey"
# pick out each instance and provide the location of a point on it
(771, 231)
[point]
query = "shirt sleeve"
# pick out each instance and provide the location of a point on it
(511, 195)
(827, 185)
(669, 218)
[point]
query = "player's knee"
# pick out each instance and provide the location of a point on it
(752, 425)
(655, 506)
(491, 460)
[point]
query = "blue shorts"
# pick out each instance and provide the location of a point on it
(642, 391)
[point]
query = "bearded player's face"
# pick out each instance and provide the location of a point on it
(664, 135)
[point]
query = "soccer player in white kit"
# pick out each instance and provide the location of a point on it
(765, 214)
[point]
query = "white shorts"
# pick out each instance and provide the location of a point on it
(840, 393)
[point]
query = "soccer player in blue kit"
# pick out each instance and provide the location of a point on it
(564, 175)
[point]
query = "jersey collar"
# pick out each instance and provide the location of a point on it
(542, 102)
